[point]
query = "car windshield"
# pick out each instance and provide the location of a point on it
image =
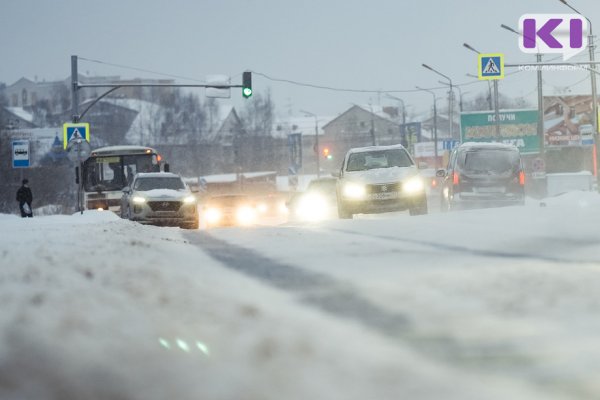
(489, 161)
(151, 183)
(366, 160)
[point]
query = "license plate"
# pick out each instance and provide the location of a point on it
(489, 189)
(384, 196)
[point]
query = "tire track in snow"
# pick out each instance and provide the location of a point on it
(319, 290)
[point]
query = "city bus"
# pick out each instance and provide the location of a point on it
(110, 169)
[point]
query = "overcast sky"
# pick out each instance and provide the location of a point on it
(373, 45)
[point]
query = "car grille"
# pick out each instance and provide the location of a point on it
(164, 205)
(383, 188)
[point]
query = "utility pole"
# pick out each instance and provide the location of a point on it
(450, 99)
(75, 117)
(496, 104)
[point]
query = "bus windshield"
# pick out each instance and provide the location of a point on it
(110, 173)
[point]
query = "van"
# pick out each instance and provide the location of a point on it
(482, 175)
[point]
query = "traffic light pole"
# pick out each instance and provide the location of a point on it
(76, 117)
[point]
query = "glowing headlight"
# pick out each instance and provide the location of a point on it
(354, 190)
(139, 199)
(312, 207)
(245, 215)
(413, 185)
(262, 208)
(212, 215)
(189, 199)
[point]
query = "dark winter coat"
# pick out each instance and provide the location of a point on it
(24, 195)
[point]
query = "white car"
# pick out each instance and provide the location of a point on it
(160, 198)
(380, 179)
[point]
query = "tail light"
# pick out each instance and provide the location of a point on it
(522, 178)
(455, 178)
(433, 183)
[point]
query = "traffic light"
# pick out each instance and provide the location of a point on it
(247, 84)
(327, 153)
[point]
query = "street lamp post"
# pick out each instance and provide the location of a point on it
(435, 134)
(540, 96)
(594, 94)
(450, 96)
(316, 141)
(496, 106)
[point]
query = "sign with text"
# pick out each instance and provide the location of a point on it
(565, 34)
(20, 154)
(517, 127)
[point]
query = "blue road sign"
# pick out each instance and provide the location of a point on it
(75, 131)
(20, 153)
(491, 66)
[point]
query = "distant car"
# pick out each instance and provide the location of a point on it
(160, 198)
(482, 175)
(317, 202)
(229, 210)
(380, 179)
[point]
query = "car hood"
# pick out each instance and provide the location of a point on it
(163, 194)
(381, 175)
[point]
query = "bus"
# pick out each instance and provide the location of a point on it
(110, 169)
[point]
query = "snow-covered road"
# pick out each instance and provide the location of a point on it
(482, 304)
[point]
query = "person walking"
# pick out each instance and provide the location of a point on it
(25, 197)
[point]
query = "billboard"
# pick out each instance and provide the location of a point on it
(517, 127)
(568, 121)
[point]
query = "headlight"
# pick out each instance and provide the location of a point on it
(212, 215)
(245, 215)
(189, 199)
(354, 190)
(139, 199)
(413, 185)
(312, 207)
(262, 208)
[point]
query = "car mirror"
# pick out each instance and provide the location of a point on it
(422, 165)
(126, 190)
(440, 173)
(336, 174)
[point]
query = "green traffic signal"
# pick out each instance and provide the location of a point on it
(247, 84)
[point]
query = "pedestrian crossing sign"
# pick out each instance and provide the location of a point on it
(73, 132)
(491, 66)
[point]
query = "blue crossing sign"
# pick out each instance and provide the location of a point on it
(20, 153)
(490, 66)
(74, 132)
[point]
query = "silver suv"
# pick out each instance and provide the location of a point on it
(160, 198)
(380, 179)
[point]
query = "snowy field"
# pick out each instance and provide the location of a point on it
(481, 304)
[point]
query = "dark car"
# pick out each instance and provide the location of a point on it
(317, 202)
(229, 210)
(482, 175)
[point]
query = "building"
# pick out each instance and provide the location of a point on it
(360, 126)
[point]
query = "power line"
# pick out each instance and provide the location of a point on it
(139, 69)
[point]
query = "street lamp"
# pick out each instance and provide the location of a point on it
(316, 141)
(435, 134)
(496, 108)
(594, 94)
(450, 96)
(540, 124)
